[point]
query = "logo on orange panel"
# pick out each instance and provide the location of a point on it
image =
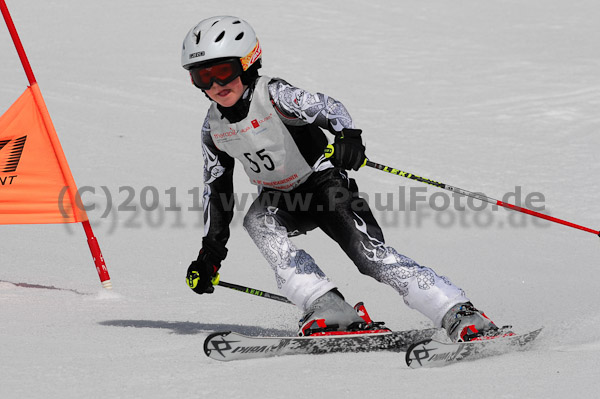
(10, 155)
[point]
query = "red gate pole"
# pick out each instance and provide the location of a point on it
(97, 256)
(92, 241)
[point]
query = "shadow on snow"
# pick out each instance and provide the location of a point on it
(43, 287)
(189, 328)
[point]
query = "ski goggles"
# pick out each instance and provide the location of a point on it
(221, 73)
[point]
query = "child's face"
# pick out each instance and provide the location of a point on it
(228, 95)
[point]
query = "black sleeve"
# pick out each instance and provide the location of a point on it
(218, 194)
(315, 109)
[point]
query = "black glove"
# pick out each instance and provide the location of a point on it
(348, 150)
(202, 271)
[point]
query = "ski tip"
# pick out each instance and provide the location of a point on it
(433, 353)
(414, 354)
(210, 337)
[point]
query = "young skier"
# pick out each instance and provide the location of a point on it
(275, 130)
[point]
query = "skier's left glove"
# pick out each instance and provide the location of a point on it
(347, 151)
(202, 271)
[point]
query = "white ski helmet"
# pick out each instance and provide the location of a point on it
(220, 37)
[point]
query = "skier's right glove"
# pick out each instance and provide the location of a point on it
(202, 271)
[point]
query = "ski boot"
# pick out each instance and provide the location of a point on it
(463, 323)
(330, 314)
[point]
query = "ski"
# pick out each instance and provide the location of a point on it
(432, 353)
(228, 345)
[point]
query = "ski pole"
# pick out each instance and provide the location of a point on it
(252, 291)
(478, 196)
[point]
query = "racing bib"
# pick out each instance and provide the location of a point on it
(262, 143)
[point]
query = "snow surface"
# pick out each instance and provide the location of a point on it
(488, 96)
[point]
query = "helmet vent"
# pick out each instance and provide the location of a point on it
(236, 22)
(239, 37)
(220, 37)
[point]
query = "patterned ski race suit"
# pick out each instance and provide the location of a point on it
(281, 145)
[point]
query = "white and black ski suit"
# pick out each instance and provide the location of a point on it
(275, 132)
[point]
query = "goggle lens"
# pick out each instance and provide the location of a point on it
(224, 73)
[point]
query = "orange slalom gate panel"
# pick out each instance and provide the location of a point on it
(36, 184)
